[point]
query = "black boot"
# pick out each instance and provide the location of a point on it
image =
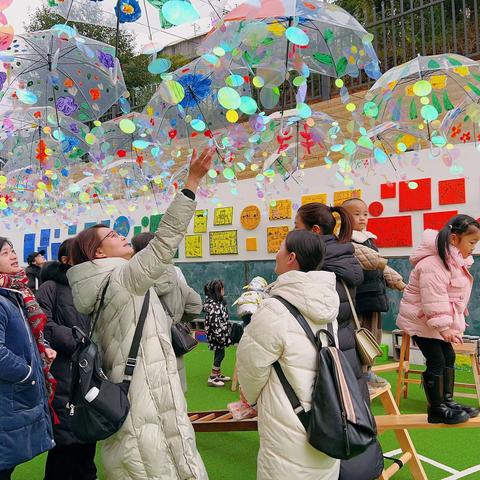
(448, 386)
(438, 412)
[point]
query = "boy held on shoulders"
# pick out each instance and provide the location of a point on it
(371, 298)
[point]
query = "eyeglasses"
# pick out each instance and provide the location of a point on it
(111, 234)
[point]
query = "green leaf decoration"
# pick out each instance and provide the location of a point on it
(413, 110)
(476, 76)
(474, 88)
(466, 119)
(436, 103)
(454, 62)
(433, 64)
(342, 66)
(268, 41)
(446, 102)
(323, 58)
(328, 36)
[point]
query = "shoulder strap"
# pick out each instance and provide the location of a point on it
(352, 305)
(100, 305)
(165, 307)
(137, 337)
(299, 318)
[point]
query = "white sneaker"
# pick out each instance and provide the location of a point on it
(223, 378)
(375, 381)
(215, 382)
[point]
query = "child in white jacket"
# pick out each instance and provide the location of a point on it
(248, 302)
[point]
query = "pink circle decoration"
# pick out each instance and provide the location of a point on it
(375, 209)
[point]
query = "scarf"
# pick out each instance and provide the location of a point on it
(36, 320)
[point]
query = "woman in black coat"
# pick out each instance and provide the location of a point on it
(70, 459)
(340, 259)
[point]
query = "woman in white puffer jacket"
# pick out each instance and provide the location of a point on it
(274, 334)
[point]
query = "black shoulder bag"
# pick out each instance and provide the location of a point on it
(339, 422)
(182, 339)
(98, 407)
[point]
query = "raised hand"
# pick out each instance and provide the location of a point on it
(199, 167)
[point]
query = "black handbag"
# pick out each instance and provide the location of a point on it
(339, 422)
(99, 407)
(182, 339)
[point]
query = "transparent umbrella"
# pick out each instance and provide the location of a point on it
(78, 76)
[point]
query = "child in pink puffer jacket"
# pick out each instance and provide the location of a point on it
(433, 310)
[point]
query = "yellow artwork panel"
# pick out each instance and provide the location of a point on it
(344, 195)
(280, 210)
(223, 216)
(315, 198)
(193, 246)
(200, 221)
(275, 237)
(250, 217)
(223, 242)
(251, 244)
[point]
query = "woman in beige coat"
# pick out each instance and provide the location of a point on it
(157, 441)
(275, 335)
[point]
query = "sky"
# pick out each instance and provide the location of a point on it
(17, 13)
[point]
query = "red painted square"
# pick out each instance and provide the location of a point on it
(411, 199)
(451, 191)
(437, 220)
(388, 190)
(392, 231)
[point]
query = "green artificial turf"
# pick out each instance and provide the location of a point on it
(232, 455)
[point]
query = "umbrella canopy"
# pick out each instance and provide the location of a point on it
(287, 35)
(199, 98)
(424, 89)
(79, 77)
(41, 138)
(385, 144)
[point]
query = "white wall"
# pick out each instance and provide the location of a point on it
(317, 180)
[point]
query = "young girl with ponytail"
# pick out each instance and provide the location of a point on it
(433, 310)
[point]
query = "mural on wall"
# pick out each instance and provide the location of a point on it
(393, 231)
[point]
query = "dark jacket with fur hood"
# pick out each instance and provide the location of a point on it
(55, 298)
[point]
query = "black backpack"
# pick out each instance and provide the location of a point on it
(339, 423)
(97, 406)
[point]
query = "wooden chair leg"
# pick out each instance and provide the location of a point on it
(404, 439)
(401, 367)
(476, 374)
(235, 380)
(407, 365)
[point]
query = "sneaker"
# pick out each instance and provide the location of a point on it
(375, 381)
(223, 378)
(215, 382)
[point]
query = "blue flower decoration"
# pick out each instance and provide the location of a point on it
(69, 144)
(197, 87)
(130, 10)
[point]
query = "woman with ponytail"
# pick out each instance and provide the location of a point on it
(340, 259)
(433, 310)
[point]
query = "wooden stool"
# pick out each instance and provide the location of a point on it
(404, 371)
(409, 453)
